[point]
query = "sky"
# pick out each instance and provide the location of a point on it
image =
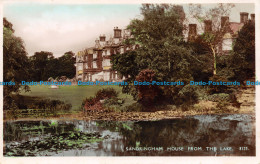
(59, 28)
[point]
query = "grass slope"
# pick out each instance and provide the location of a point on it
(72, 94)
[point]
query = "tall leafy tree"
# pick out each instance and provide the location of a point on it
(159, 34)
(39, 63)
(126, 63)
(52, 69)
(126, 66)
(242, 60)
(67, 64)
(213, 38)
(16, 64)
(161, 40)
(201, 67)
(44, 65)
(162, 47)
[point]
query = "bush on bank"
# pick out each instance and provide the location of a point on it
(26, 106)
(104, 99)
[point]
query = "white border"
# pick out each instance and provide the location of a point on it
(134, 160)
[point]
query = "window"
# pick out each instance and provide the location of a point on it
(79, 67)
(104, 53)
(122, 50)
(117, 34)
(227, 44)
(94, 64)
(106, 62)
(79, 58)
(95, 55)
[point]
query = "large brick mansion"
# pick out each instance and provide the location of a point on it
(94, 63)
(231, 30)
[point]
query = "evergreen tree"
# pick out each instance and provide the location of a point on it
(242, 60)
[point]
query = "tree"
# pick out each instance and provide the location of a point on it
(126, 65)
(44, 65)
(201, 67)
(67, 64)
(39, 63)
(162, 47)
(161, 40)
(213, 38)
(16, 64)
(8, 25)
(242, 60)
(52, 69)
(147, 94)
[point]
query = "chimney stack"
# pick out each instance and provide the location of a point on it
(207, 26)
(117, 32)
(97, 45)
(253, 17)
(192, 32)
(224, 21)
(102, 38)
(243, 17)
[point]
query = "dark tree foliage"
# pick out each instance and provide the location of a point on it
(126, 63)
(242, 61)
(147, 94)
(39, 62)
(52, 69)
(214, 37)
(161, 41)
(162, 47)
(201, 68)
(8, 24)
(44, 65)
(16, 64)
(67, 65)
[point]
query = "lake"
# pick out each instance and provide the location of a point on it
(202, 135)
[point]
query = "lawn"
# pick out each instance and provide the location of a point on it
(72, 94)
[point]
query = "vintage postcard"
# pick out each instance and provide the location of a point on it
(86, 80)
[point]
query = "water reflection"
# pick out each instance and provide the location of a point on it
(205, 135)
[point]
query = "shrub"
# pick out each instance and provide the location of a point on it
(202, 93)
(219, 97)
(93, 103)
(114, 101)
(135, 107)
(187, 96)
(96, 107)
(49, 104)
(222, 106)
(114, 104)
(233, 100)
(106, 93)
(88, 102)
(31, 105)
(218, 88)
(147, 93)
